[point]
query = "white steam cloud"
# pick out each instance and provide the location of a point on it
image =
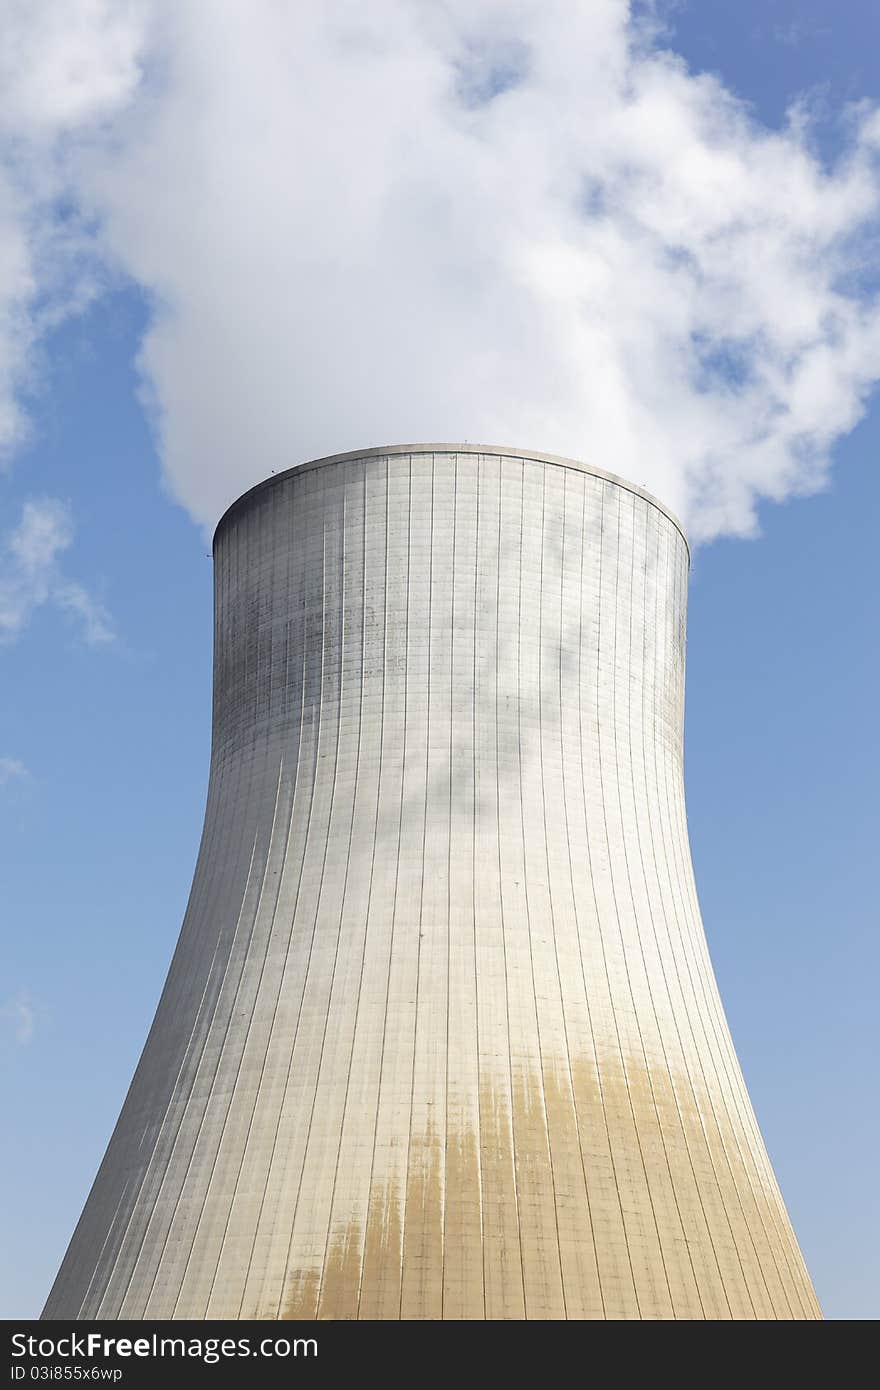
(517, 221)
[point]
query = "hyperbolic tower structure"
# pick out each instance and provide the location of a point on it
(441, 1037)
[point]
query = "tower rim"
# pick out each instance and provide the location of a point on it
(494, 450)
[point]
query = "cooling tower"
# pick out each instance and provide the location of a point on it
(441, 1037)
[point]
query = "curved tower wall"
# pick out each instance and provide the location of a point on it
(441, 1037)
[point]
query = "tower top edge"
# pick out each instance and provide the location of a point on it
(493, 450)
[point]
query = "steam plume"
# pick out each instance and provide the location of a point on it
(519, 222)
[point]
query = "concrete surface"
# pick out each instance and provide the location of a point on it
(441, 1037)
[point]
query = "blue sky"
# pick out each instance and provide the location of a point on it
(105, 707)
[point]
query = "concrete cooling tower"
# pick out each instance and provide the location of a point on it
(441, 1037)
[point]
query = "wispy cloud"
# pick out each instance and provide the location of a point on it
(30, 574)
(97, 625)
(20, 1017)
(805, 29)
(520, 220)
(12, 769)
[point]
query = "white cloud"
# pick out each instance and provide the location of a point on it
(519, 221)
(11, 768)
(21, 1017)
(30, 575)
(45, 530)
(63, 65)
(97, 625)
(64, 69)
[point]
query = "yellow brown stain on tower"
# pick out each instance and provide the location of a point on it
(414, 1245)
